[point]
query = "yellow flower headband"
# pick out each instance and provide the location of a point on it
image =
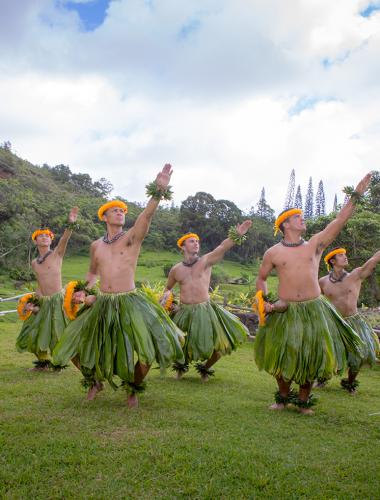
(111, 204)
(185, 237)
(42, 231)
(280, 219)
(331, 254)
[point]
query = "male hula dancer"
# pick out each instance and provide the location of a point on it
(309, 339)
(42, 312)
(211, 331)
(342, 289)
(122, 323)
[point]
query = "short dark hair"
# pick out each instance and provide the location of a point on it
(281, 226)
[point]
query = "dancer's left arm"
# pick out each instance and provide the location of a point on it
(331, 231)
(368, 267)
(217, 255)
(62, 244)
(142, 224)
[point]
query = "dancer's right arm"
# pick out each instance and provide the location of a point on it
(169, 286)
(92, 274)
(261, 282)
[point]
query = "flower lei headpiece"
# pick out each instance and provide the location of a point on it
(280, 219)
(42, 231)
(185, 237)
(331, 254)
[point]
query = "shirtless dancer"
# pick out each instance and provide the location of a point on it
(122, 322)
(46, 321)
(310, 339)
(211, 331)
(343, 289)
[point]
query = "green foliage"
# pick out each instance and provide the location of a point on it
(361, 238)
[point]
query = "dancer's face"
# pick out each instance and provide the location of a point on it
(295, 223)
(191, 246)
(43, 240)
(114, 216)
(340, 260)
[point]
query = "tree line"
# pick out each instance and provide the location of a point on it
(33, 197)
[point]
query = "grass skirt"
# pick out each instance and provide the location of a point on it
(369, 338)
(41, 332)
(117, 327)
(208, 328)
(310, 340)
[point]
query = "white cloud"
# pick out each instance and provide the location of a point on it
(207, 85)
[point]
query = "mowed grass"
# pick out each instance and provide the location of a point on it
(186, 440)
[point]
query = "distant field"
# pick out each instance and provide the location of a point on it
(150, 269)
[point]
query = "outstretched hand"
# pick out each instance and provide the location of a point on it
(73, 215)
(163, 178)
(243, 227)
(362, 187)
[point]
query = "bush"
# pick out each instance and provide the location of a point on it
(21, 274)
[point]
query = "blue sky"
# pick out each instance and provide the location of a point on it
(92, 13)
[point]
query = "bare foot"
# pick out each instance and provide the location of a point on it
(277, 406)
(39, 369)
(99, 386)
(305, 411)
(178, 375)
(92, 392)
(205, 378)
(132, 401)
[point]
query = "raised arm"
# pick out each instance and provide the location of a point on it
(331, 231)
(367, 269)
(62, 244)
(219, 252)
(142, 224)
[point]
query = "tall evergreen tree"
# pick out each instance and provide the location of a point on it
(320, 204)
(289, 200)
(309, 205)
(263, 210)
(335, 204)
(298, 198)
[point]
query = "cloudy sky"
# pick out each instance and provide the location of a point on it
(233, 93)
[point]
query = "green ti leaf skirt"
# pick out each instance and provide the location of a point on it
(208, 328)
(370, 343)
(309, 340)
(41, 332)
(115, 332)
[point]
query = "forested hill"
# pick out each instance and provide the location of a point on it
(33, 197)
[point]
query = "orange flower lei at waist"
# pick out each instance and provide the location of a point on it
(258, 306)
(331, 254)
(281, 218)
(169, 301)
(28, 298)
(69, 307)
(42, 231)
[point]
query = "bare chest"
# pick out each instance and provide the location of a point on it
(195, 273)
(342, 290)
(291, 259)
(115, 254)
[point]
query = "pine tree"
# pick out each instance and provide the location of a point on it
(335, 204)
(289, 200)
(309, 207)
(263, 210)
(320, 204)
(298, 198)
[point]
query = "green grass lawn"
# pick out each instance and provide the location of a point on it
(187, 439)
